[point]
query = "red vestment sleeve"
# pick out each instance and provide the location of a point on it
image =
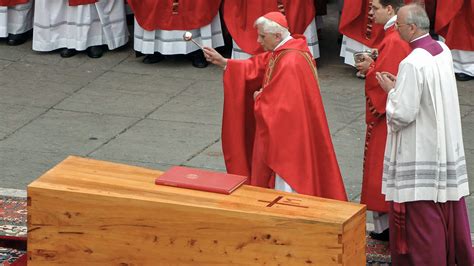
(12, 2)
(241, 79)
(174, 14)
(81, 2)
(454, 21)
(240, 15)
(392, 51)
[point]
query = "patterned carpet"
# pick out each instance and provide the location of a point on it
(377, 252)
(13, 231)
(13, 218)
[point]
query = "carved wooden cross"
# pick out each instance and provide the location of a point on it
(284, 201)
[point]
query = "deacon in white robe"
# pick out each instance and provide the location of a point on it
(57, 25)
(425, 177)
(16, 22)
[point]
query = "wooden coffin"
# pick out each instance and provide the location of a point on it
(89, 212)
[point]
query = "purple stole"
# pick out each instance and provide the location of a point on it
(428, 44)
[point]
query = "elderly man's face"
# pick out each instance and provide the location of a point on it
(267, 40)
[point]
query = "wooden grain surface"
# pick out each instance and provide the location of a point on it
(88, 212)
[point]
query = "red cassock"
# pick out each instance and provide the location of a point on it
(174, 14)
(285, 129)
(12, 2)
(454, 21)
(240, 15)
(356, 23)
(392, 50)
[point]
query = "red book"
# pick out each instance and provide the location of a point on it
(198, 179)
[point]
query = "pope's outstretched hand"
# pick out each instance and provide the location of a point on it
(214, 57)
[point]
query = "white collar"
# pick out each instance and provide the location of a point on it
(390, 22)
(423, 36)
(283, 42)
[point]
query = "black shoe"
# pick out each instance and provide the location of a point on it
(95, 51)
(66, 53)
(153, 58)
(384, 236)
(463, 77)
(199, 60)
(17, 39)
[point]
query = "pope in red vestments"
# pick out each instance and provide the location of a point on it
(274, 121)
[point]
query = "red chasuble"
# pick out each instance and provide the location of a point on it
(284, 130)
(12, 2)
(240, 15)
(392, 51)
(174, 14)
(81, 2)
(454, 21)
(357, 24)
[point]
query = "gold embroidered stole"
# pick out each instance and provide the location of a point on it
(274, 60)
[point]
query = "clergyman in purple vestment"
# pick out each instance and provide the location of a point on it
(425, 177)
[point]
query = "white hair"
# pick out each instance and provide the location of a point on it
(416, 14)
(270, 26)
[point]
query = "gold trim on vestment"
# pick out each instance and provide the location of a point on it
(273, 61)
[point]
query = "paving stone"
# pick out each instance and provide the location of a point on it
(67, 132)
(21, 167)
(202, 102)
(211, 158)
(13, 117)
(164, 142)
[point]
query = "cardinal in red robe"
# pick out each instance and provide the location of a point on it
(16, 21)
(160, 25)
(357, 23)
(274, 123)
(174, 14)
(454, 21)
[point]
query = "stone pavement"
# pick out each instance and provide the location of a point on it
(118, 109)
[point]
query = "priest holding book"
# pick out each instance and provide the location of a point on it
(274, 124)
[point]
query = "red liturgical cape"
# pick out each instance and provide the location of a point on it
(12, 2)
(284, 130)
(240, 15)
(355, 20)
(174, 14)
(83, 2)
(454, 21)
(392, 51)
